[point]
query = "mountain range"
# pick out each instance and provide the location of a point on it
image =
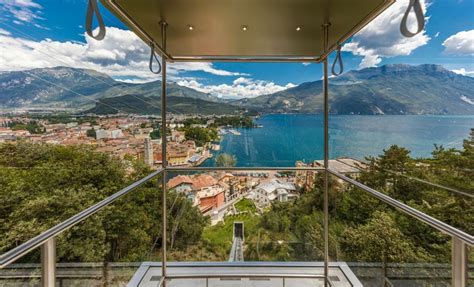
(390, 89)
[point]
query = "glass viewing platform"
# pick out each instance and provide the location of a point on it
(318, 223)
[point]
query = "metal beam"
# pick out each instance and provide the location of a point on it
(326, 155)
(219, 168)
(48, 263)
(164, 160)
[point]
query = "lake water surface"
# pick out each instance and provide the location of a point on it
(286, 138)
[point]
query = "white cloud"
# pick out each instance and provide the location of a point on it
(4, 32)
(203, 66)
(436, 35)
(461, 43)
(240, 88)
(382, 37)
(121, 55)
(23, 11)
(306, 63)
(242, 81)
(463, 72)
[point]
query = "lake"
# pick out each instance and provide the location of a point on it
(286, 138)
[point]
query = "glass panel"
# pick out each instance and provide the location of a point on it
(109, 247)
(237, 122)
(381, 244)
(271, 211)
(264, 216)
(43, 185)
(422, 161)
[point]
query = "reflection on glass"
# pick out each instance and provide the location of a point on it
(383, 246)
(275, 216)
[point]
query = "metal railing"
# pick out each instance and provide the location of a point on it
(460, 239)
(47, 239)
(423, 217)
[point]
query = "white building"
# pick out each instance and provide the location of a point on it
(117, 133)
(273, 189)
(101, 134)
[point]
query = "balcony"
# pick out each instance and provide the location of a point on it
(310, 257)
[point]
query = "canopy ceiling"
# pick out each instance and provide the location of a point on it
(275, 29)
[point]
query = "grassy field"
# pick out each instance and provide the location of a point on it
(246, 205)
(218, 238)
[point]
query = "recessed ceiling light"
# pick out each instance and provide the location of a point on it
(298, 28)
(190, 27)
(245, 28)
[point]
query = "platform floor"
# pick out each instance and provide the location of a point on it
(149, 274)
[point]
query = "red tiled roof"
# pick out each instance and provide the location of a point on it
(202, 181)
(180, 179)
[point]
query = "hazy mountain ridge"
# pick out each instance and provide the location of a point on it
(152, 105)
(65, 87)
(390, 89)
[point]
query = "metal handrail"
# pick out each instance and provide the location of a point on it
(35, 242)
(412, 212)
(243, 275)
(447, 188)
(21, 250)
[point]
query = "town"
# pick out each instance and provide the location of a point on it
(191, 141)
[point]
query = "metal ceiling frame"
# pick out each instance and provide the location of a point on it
(139, 31)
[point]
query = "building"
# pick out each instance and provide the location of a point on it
(304, 179)
(210, 199)
(208, 192)
(101, 134)
(116, 133)
(183, 184)
(177, 136)
(148, 152)
(178, 157)
(273, 189)
(202, 190)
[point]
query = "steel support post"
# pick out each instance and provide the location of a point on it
(163, 152)
(48, 263)
(326, 156)
(459, 263)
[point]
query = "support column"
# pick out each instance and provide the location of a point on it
(48, 263)
(326, 156)
(163, 152)
(459, 263)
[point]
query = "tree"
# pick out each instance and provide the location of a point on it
(380, 240)
(226, 160)
(91, 133)
(42, 185)
(155, 134)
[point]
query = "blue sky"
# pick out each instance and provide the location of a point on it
(50, 33)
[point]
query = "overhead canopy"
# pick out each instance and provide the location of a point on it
(279, 30)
